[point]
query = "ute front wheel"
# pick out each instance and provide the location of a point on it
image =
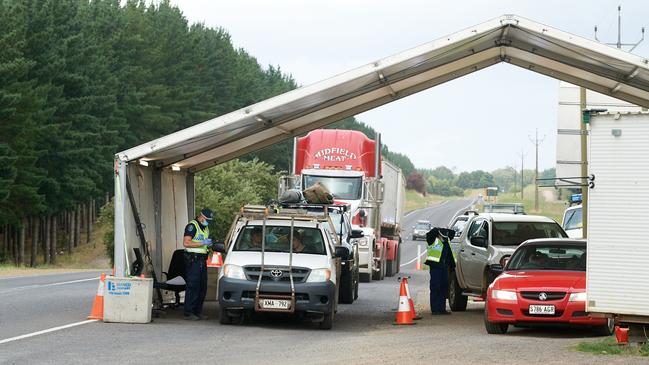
(456, 300)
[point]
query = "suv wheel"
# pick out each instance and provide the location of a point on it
(327, 321)
(224, 317)
(456, 300)
(346, 288)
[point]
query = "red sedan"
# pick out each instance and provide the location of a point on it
(544, 282)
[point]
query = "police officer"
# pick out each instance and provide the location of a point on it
(196, 241)
(439, 258)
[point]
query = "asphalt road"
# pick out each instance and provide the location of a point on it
(363, 332)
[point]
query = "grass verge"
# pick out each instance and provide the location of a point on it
(610, 347)
(415, 201)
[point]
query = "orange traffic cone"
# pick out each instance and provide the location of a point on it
(97, 311)
(418, 263)
(413, 313)
(215, 260)
(404, 315)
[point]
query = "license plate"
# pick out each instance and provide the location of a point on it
(542, 309)
(277, 304)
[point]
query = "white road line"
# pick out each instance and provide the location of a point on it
(46, 285)
(413, 260)
(53, 329)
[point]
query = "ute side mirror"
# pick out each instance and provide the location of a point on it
(342, 252)
(356, 233)
(218, 246)
(479, 241)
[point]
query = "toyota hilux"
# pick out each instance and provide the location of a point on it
(282, 261)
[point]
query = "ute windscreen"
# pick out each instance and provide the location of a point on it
(305, 240)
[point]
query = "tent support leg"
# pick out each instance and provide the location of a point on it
(191, 203)
(157, 207)
(121, 202)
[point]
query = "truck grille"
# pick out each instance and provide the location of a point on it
(300, 274)
(551, 295)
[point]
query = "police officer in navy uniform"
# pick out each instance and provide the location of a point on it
(196, 242)
(439, 258)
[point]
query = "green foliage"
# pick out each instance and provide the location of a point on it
(609, 346)
(475, 179)
(227, 187)
(443, 187)
(107, 219)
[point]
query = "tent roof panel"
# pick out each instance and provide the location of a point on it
(508, 38)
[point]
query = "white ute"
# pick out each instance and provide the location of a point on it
(295, 279)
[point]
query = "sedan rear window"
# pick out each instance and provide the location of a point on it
(550, 257)
(515, 233)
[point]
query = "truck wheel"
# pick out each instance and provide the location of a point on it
(389, 268)
(605, 330)
(456, 300)
(365, 277)
(398, 259)
(327, 322)
(224, 318)
(379, 275)
(356, 284)
(346, 295)
(494, 328)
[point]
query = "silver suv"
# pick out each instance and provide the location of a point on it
(484, 244)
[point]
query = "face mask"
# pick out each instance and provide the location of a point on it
(205, 223)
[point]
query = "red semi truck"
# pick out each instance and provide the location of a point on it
(350, 165)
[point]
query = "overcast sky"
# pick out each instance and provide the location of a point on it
(480, 121)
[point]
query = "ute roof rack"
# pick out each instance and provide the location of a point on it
(297, 212)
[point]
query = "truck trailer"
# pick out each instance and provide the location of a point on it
(350, 165)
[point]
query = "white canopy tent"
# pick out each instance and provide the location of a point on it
(161, 171)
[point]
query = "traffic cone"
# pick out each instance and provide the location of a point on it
(97, 311)
(404, 314)
(413, 313)
(418, 263)
(215, 260)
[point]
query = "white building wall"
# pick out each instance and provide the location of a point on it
(568, 119)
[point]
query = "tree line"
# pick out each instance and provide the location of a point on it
(443, 181)
(82, 80)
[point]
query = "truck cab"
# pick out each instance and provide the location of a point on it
(282, 261)
(483, 246)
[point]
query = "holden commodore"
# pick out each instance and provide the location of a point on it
(544, 282)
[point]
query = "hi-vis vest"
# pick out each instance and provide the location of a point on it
(434, 251)
(201, 235)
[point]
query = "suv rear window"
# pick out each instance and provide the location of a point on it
(306, 240)
(515, 233)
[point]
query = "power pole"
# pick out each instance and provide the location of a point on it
(536, 142)
(522, 155)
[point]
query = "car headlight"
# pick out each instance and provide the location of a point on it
(319, 275)
(361, 242)
(577, 297)
(233, 272)
(503, 295)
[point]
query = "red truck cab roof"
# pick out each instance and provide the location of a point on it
(334, 149)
